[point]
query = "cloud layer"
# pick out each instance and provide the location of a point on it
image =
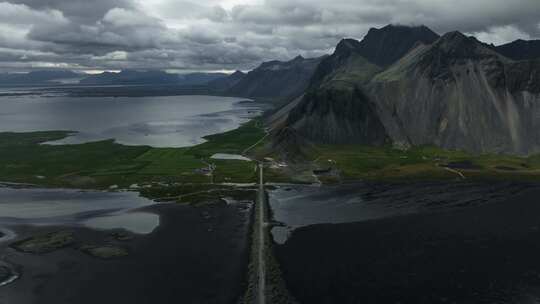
(227, 34)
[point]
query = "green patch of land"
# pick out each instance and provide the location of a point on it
(353, 162)
(99, 165)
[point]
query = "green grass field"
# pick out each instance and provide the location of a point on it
(421, 163)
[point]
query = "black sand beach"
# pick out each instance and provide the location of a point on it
(196, 255)
(486, 253)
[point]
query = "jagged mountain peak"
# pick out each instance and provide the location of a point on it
(347, 45)
(456, 39)
(457, 46)
(387, 45)
(238, 73)
(400, 28)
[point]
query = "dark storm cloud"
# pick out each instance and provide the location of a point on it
(228, 34)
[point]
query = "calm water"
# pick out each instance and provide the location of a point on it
(170, 121)
(93, 209)
(227, 156)
(300, 206)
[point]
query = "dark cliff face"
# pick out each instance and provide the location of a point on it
(520, 49)
(277, 79)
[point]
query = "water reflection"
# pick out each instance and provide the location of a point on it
(300, 206)
(166, 121)
(94, 209)
(136, 222)
(8, 274)
(226, 156)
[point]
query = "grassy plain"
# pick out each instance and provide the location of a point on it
(99, 165)
(355, 162)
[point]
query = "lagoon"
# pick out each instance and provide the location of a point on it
(158, 121)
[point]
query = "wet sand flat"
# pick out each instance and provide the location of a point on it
(196, 255)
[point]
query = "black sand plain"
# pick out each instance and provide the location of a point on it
(481, 253)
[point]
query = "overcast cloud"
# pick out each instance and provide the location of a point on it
(227, 34)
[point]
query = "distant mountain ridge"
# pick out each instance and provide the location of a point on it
(225, 83)
(38, 77)
(276, 79)
(150, 77)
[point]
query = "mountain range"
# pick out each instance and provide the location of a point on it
(39, 77)
(407, 86)
(125, 77)
(150, 77)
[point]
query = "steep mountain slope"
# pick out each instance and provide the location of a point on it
(335, 109)
(225, 83)
(277, 79)
(456, 93)
(460, 94)
(520, 49)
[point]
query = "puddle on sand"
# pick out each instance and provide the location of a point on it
(6, 235)
(136, 222)
(65, 207)
(8, 274)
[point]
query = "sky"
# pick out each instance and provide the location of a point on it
(226, 35)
